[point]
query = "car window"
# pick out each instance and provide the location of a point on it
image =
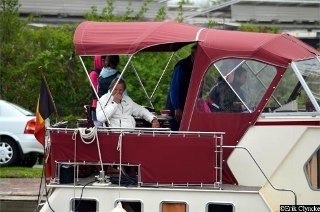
(12, 110)
(23, 110)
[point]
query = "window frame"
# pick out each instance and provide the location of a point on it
(83, 199)
(317, 152)
(220, 203)
(173, 201)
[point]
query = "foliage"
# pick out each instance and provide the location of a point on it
(161, 15)
(52, 47)
(107, 13)
(144, 64)
(72, 119)
(212, 24)
(143, 9)
(180, 13)
(20, 172)
(49, 47)
(259, 28)
(9, 20)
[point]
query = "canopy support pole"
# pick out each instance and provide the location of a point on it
(164, 71)
(225, 78)
(93, 88)
(143, 88)
(124, 69)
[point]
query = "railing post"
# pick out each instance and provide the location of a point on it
(218, 142)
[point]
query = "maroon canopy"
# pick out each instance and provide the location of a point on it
(276, 49)
(98, 38)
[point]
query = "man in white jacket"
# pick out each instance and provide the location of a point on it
(120, 108)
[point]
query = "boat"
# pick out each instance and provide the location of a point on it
(261, 157)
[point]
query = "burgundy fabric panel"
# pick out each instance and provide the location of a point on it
(176, 159)
(164, 159)
(201, 64)
(98, 38)
(244, 43)
(282, 50)
(63, 148)
(233, 124)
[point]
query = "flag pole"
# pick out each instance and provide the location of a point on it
(40, 69)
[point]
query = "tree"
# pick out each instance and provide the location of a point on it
(180, 13)
(27, 48)
(107, 13)
(9, 19)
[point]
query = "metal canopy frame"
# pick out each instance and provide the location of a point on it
(225, 79)
(149, 98)
(305, 86)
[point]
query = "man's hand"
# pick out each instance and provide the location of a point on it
(155, 123)
(117, 98)
(178, 114)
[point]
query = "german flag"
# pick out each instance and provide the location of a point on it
(44, 109)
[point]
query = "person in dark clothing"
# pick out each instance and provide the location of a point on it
(108, 73)
(222, 98)
(179, 88)
(240, 78)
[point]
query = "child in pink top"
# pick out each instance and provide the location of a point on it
(94, 74)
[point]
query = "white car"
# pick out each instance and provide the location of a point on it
(18, 146)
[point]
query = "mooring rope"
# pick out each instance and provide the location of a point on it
(92, 132)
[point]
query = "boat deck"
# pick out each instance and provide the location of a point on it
(91, 181)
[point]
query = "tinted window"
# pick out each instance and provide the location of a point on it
(133, 206)
(220, 207)
(84, 205)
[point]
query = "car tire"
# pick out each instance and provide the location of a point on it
(29, 160)
(8, 152)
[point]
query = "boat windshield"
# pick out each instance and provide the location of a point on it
(310, 71)
(299, 89)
